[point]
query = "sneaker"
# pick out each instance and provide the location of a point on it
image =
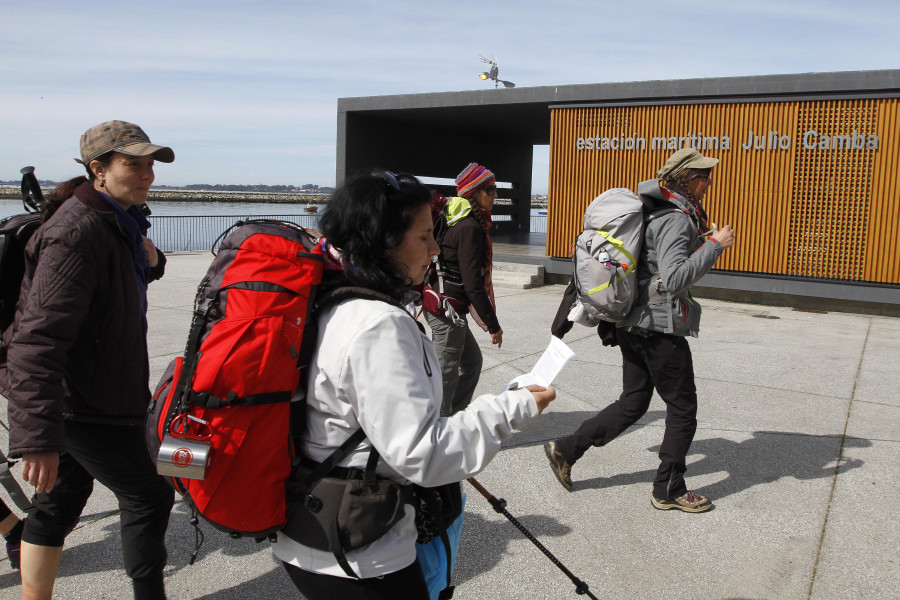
(689, 502)
(561, 468)
(13, 551)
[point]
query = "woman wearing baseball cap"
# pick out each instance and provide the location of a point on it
(77, 365)
(466, 256)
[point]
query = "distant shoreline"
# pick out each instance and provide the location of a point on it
(211, 196)
(172, 195)
(205, 196)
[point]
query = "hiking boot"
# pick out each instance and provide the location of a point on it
(13, 540)
(689, 502)
(13, 551)
(561, 468)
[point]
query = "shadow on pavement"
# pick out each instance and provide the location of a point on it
(484, 542)
(765, 458)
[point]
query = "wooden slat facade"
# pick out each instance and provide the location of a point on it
(809, 212)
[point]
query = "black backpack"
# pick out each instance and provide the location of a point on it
(15, 231)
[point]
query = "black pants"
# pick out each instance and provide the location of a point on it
(659, 361)
(405, 584)
(117, 457)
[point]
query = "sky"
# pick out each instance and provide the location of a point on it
(246, 92)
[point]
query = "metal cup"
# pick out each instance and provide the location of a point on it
(184, 458)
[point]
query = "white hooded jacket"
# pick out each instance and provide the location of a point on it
(374, 368)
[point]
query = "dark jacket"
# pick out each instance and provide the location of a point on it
(78, 347)
(462, 252)
(673, 258)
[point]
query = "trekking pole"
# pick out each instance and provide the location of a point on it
(16, 494)
(581, 588)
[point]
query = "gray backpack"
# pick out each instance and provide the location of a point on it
(606, 255)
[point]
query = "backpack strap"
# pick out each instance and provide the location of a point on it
(329, 292)
(651, 214)
(207, 400)
(326, 298)
(191, 355)
(336, 541)
(439, 270)
(326, 466)
(254, 286)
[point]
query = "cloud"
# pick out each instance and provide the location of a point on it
(241, 90)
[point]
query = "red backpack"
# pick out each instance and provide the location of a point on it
(223, 411)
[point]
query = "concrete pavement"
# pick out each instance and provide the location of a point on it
(797, 447)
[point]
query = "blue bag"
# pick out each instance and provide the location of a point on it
(433, 556)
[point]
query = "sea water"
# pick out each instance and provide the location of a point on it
(178, 208)
(178, 226)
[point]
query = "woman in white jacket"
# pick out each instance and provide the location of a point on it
(374, 368)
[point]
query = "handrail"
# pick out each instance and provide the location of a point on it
(199, 232)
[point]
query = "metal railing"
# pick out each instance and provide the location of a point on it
(538, 223)
(199, 232)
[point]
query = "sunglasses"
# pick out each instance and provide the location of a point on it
(703, 176)
(490, 190)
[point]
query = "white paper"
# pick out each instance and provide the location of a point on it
(548, 366)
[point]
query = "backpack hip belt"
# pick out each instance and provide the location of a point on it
(340, 509)
(345, 508)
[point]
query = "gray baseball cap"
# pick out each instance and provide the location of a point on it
(123, 137)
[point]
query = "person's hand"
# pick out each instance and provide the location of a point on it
(725, 236)
(150, 251)
(542, 395)
(40, 470)
(497, 338)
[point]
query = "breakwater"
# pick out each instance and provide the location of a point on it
(220, 196)
(164, 195)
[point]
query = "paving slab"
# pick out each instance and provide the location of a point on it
(797, 445)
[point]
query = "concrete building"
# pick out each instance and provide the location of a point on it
(807, 174)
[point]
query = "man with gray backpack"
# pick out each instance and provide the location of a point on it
(652, 280)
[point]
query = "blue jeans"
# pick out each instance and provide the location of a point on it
(460, 359)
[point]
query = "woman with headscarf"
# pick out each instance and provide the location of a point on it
(466, 257)
(652, 338)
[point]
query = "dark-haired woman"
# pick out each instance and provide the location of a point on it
(77, 366)
(466, 255)
(375, 369)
